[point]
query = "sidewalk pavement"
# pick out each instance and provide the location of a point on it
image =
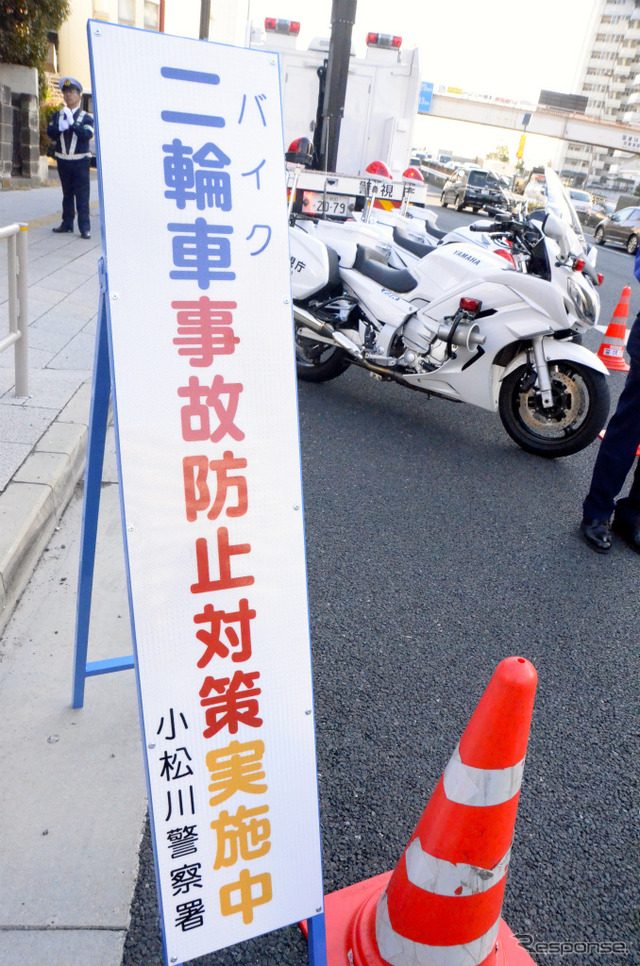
(43, 436)
(73, 796)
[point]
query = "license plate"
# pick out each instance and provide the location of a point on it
(317, 203)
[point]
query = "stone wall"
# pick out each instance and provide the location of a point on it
(6, 132)
(19, 93)
(29, 135)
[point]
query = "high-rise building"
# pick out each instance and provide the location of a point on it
(608, 75)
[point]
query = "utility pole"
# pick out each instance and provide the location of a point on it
(343, 17)
(205, 17)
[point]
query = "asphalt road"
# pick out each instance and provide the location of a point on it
(436, 548)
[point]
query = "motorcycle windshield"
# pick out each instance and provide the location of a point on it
(559, 202)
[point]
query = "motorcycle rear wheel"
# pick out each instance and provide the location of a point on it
(580, 410)
(317, 361)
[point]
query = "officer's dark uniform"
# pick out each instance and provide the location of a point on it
(615, 458)
(73, 158)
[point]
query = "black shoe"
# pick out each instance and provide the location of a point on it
(628, 529)
(61, 230)
(597, 534)
(85, 234)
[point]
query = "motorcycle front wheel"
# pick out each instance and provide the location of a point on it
(317, 361)
(580, 409)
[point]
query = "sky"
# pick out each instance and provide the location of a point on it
(496, 47)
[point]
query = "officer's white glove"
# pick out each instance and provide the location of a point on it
(68, 113)
(63, 124)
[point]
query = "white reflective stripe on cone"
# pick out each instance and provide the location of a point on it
(449, 878)
(467, 785)
(398, 951)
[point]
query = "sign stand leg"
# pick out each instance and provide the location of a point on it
(317, 940)
(98, 419)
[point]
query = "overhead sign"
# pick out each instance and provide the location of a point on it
(572, 103)
(193, 197)
(426, 95)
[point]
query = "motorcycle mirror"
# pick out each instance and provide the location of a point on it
(553, 228)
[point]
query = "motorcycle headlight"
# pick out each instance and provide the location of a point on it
(583, 302)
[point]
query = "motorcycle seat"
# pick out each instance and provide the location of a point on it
(368, 263)
(409, 244)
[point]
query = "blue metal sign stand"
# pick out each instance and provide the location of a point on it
(98, 419)
(317, 941)
(82, 669)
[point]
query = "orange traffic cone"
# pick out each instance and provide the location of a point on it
(441, 905)
(611, 351)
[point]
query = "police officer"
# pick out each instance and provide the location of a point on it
(615, 458)
(72, 129)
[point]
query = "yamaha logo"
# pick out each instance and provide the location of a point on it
(467, 257)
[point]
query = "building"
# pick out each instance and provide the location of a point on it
(608, 75)
(69, 53)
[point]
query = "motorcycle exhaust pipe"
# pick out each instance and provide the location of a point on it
(463, 335)
(326, 330)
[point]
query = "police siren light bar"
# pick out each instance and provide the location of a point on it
(273, 25)
(384, 40)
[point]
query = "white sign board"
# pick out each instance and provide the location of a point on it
(195, 228)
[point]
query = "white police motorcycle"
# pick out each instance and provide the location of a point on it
(462, 322)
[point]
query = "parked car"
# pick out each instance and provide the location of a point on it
(535, 191)
(599, 210)
(470, 187)
(623, 228)
(582, 201)
(510, 195)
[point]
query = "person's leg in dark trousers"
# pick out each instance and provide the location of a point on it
(67, 180)
(617, 451)
(617, 454)
(82, 186)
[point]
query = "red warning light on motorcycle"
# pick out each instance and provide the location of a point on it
(470, 305)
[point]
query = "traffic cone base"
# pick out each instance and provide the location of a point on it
(341, 908)
(350, 918)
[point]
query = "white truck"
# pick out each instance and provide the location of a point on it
(382, 95)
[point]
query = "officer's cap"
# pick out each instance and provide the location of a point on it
(68, 83)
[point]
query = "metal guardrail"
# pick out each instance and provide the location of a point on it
(16, 236)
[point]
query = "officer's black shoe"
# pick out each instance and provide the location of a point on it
(85, 234)
(597, 534)
(61, 230)
(628, 528)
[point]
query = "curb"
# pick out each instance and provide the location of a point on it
(44, 220)
(33, 503)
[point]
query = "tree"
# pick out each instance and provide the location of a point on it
(24, 25)
(501, 153)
